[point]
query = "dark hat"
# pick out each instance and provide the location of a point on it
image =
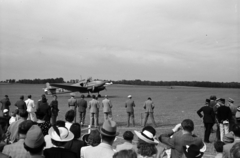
(25, 126)
(148, 135)
(207, 100)
(34, 137)
(21, 97)
(222, 100)
(6, 96)
(109, 128)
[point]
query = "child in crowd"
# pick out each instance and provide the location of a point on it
(218, 145)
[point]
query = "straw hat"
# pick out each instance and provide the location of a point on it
(60, 134)
(147, 135)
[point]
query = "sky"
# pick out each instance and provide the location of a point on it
(157, 40)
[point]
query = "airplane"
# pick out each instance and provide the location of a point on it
(83, 86)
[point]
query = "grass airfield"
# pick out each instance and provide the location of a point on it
(171, 105)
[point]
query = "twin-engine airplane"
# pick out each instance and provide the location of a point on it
(84, 86)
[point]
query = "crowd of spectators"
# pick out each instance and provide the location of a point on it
(31, 133)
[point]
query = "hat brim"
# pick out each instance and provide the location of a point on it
(110, 135)
(68, 138)
(139, 135)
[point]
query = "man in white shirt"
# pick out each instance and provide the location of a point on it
(104, 149)
(30, 108)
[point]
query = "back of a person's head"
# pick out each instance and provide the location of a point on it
(60, 123)
(94, 138)
(22, 97)
(125, 154)
(187, 125)
(128, 135)
(236, 130)
(29, 96)
(108, 139)
(25, 126)
(76, 130)
(23, 114)
(69, 116)
(235, 151)
(146, 149)
(218, 145)
(213, 97)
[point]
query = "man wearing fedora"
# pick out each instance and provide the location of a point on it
(149, 106)
(107, 107)
(93, 105)
(34, 142)
(129, 104)
(104, 149)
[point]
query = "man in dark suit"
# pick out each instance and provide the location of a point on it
(177, 142)
(82, 105)
(129, 104)
(5, 103)
(20, 104)
(208, 119)
(148, 106)
(93, 105)
(224, 116)
(227, 147)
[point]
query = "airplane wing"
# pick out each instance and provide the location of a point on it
(73, 88)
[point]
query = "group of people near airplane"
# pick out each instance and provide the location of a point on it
(34, 131)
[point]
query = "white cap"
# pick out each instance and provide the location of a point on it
(5, 110)
(129, 96)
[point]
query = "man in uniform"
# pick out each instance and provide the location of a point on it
(107, 107)
(82, 105)
(93, 106)
(129, 104)
(5, 103)
(72, 103)
(148, 106)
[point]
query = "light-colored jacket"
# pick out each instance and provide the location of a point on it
(30, 105)
(103, 150)
(93, 105)
(129, 104)
(107, 105)
(148, 106)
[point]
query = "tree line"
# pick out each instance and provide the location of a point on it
(181, 83)
(137, 82)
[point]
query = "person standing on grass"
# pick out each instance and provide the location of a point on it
(20, 104)
(208, 119)
(149, 106)
(54, 109)
(5, 103)
(31, 108)
(72, 103)
(129, 105)
(233, 109)
(93, 106)
(224, 115)
(107, 107)
(82, 106)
